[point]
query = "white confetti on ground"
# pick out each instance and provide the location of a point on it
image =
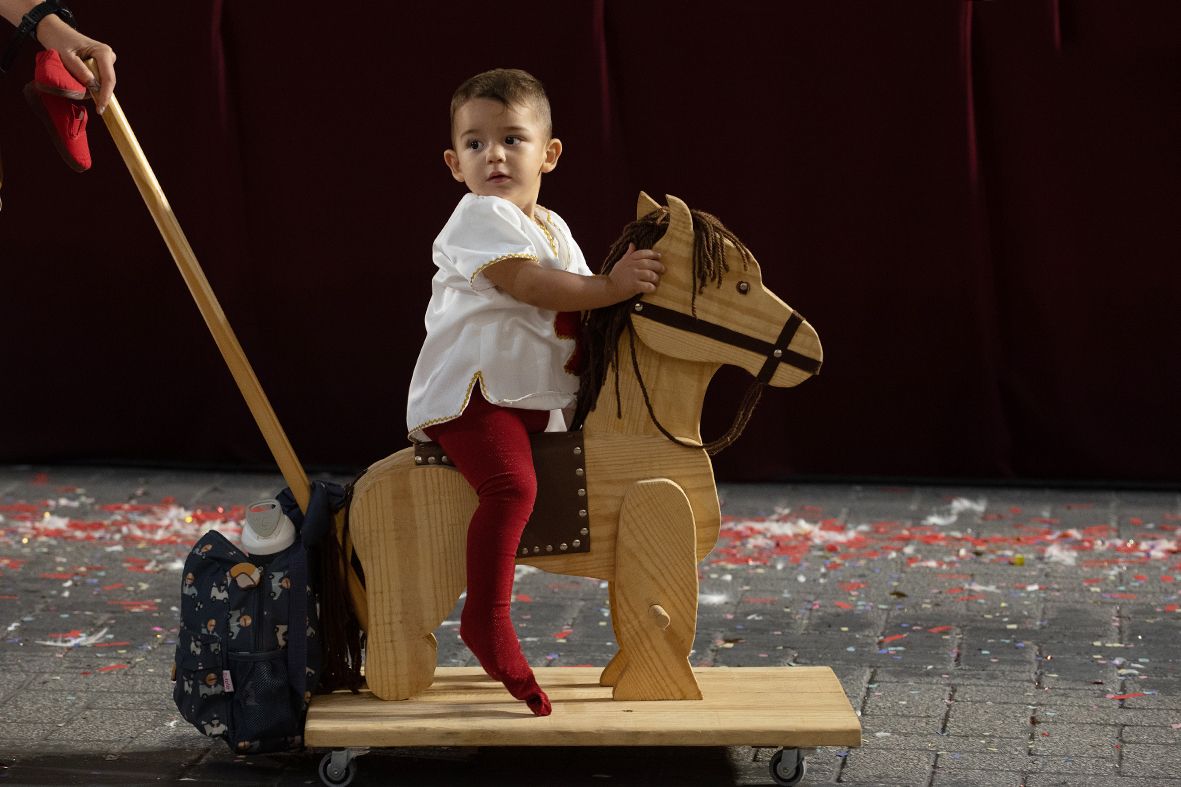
(957, 507)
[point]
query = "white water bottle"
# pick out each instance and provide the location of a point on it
(267, 529)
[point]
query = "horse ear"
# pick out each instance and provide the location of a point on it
(645, 205)
(680, 220)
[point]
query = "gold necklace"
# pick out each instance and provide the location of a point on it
(548, 236)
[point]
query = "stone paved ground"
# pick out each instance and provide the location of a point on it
(987, 636)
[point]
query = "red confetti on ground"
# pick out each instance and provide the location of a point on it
(850, 587)
(57, 575)
(939, 629)
(891, 638)
(111, 644)
(41, 478)
(1166, 578)
(1171, 607)
(843, 604)
(136, 606)
(1125, 696)
(112, 667)
(760, 600)
(524, 598)
(563, 633)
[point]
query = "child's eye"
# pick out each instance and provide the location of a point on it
(473, 144)
(512, 140)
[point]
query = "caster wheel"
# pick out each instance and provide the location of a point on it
(788, 767)
(336, 775)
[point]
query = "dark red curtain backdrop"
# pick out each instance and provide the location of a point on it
(975, 203)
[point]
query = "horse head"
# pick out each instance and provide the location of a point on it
(712, 306)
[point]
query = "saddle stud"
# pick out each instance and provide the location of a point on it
(778, 353)
(576, 543)
(743, 287)
(418, 460)
(578, 450)
(639, 307)
(549, 547)
(582, 493)
(431, 460)
(562, 547)
(582, 513)
(582, 532)
(578, 471)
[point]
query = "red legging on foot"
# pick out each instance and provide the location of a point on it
(490, 446)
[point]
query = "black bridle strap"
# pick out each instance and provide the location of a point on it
(785, 336)
(684, 322)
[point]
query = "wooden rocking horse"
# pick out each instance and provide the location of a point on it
(643, 496)
(645, 508)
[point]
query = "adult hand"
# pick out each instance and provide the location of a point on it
(74, 48)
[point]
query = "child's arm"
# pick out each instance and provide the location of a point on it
(637, 271)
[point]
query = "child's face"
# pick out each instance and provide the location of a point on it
(501, 151)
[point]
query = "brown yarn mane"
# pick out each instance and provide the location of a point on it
(602, 328)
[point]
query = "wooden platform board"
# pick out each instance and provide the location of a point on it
(799, 707)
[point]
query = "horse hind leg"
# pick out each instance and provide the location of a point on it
(413, 556)
(654, 595)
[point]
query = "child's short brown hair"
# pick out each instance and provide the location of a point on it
(509, 86)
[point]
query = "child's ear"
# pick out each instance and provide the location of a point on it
(451, 159)
(553, 150)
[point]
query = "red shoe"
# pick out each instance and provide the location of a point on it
(50, 76)
(66, 123)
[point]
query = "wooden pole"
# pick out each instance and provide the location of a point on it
(215, 318)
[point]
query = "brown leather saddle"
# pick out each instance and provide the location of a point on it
(560, 522)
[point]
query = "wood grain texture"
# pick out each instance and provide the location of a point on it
(752, 706)
(408, 572)
(655, 600)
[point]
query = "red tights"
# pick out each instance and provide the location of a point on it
(490, 446)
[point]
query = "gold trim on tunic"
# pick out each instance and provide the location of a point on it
(502, 258)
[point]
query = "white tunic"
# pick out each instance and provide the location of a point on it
(476, 332)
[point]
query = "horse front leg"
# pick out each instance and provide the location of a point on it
(618, 663)
(654, 595)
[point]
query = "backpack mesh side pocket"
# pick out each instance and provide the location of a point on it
(267, 714)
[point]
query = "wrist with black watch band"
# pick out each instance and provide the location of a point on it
(28, 28)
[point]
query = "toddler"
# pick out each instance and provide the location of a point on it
(497, 360)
